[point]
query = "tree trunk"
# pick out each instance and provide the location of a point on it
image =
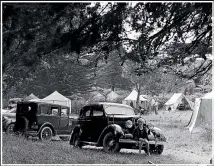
(138, 86)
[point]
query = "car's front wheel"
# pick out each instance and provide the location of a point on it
(76, 141)
(10, 128)
(156, 150)
(45, 134)
(110, 143)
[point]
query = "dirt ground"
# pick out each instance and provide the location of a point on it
(195, 147)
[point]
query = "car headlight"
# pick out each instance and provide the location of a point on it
(129, 124)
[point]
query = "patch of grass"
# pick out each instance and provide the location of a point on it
(182, 147)
(18, 150)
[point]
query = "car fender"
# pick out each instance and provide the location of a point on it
(7, 122)
(159, 133)
(49, 125)
(114, 128)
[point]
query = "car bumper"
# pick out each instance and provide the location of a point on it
(134, 142)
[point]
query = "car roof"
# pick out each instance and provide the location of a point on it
(15, 99)
(109, 103)
(40, 103)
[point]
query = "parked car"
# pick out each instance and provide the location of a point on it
(43, 120)
(111, 125)
(8, 120)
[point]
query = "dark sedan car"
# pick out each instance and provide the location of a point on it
(111, 125)
(43, 120)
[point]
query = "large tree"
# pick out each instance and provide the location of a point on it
(32, 32)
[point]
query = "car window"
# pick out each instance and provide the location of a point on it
(97, 111)
(54, 111)
(119, 110)
(64, 112)
(86, 111)
(44, 109)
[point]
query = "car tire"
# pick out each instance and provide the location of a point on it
(110, 143)
(156, 150)
(46, 134)
(160, 149)
(76, 143)
(22, 124)
(10, 128)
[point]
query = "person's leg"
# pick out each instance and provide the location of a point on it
(140, 144)
(147, 147)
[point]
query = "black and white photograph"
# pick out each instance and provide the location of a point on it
(107, 82)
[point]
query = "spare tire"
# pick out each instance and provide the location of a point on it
(22, 124)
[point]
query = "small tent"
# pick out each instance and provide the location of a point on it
(30, 97)
(202, 111)
(98, 97)
(175, 100)
(112, 96)
(131, 100)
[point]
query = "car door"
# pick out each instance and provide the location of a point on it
(64, 121)
(54, 117)
(85, 123)
(48, 113)
(98, 122)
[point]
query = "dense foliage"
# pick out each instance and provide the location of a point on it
(50, 40)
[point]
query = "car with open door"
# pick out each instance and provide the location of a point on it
(43, 120)
(111, 126)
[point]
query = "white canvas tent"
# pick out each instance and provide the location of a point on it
(30, 97)
(55, 98)
(175, 100)
(112, 96)
(132, 98)
(98, 97)
(202, 111)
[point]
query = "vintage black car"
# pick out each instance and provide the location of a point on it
(111, 125)
(43, 120)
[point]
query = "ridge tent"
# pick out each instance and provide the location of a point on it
(98, 97)
(112, 96)
(202, 111)
(30, 97)
(57, 98)
(131, 99)
(175, 100)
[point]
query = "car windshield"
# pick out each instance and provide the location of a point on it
(119, 110)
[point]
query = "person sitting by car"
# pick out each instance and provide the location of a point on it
(140, 134)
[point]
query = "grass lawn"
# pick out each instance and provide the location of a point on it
(181, 148)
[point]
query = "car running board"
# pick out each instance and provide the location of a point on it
(89, 143)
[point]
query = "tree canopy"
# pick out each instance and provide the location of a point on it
(166, 34)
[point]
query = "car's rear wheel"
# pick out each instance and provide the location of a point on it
(76, 141)
(110, 143)
(46, 134)
(10, 128)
